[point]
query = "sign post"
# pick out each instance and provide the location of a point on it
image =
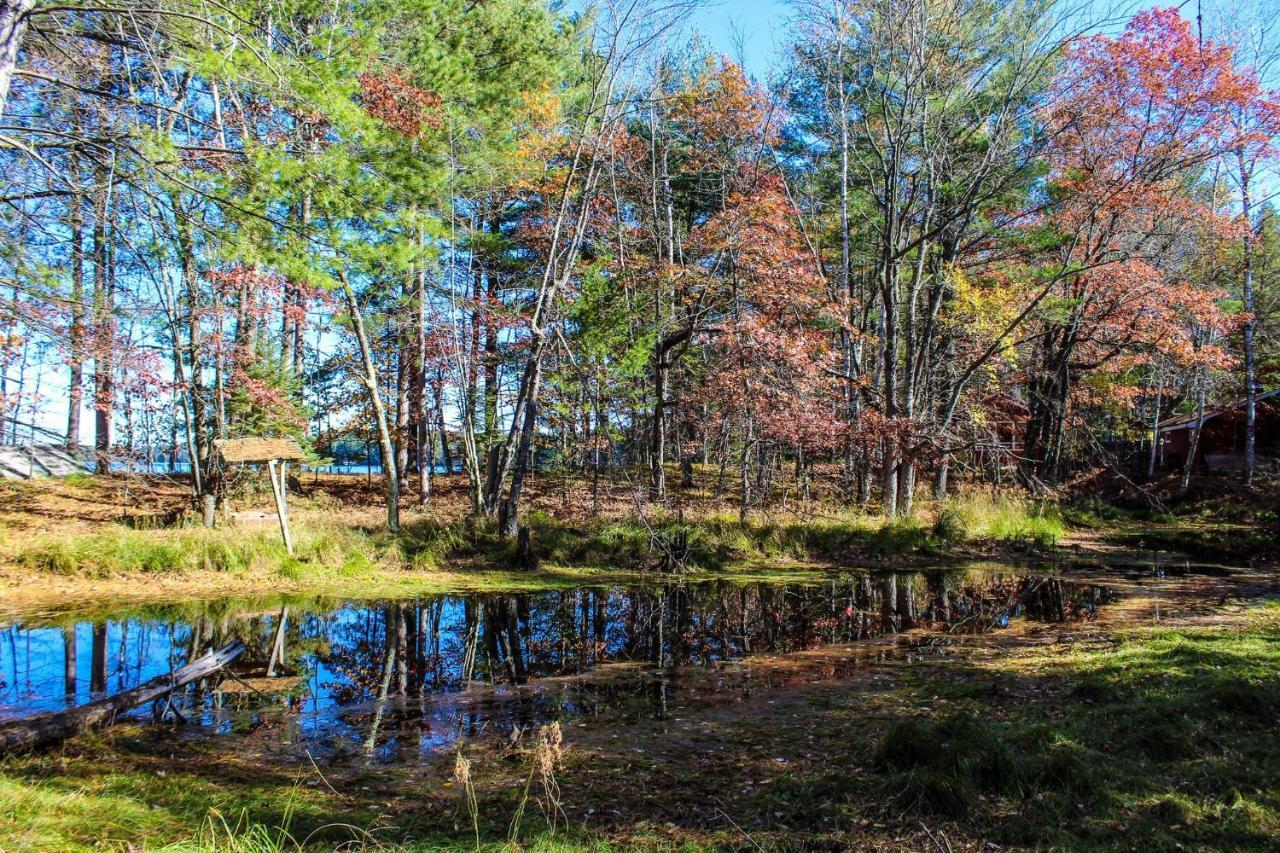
(276, 453)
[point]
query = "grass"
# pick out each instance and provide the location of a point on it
(944, 766)
(716, 540)
(1165, 736)
(117, 550)
(1010, 519)
(330, 547)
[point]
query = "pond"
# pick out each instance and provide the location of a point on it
(391, 680)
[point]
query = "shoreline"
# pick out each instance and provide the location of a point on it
(77, 543)
(24, 592)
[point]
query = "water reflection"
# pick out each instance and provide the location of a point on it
(394, 678)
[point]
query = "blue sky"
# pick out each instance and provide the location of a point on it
(762, 24)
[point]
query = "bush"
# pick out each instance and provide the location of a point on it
(949, 527)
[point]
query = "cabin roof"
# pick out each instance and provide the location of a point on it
(1188, 419)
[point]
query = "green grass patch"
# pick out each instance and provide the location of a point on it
(1166, 738)
(119, 550)
(944, 766)
(330, 548)
(1005, 518)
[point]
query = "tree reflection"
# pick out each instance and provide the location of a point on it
(312, 656)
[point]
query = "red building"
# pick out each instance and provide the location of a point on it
(1221, 444)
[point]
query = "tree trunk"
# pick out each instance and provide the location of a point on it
(658, 436)
(197, 421)
(1250, 327)
(370, 380)
(906, 487)
(103, 324)
(444, 435)
(940, 478)
(1193, 448)
(75, 391)
(1154, 452)
(426, 454)
(404, 381)
(509, 517)
(889, 479)
(13, 26)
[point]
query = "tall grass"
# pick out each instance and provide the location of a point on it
(119, 550)
(1007, 518)
(328, 544)
(218, 835)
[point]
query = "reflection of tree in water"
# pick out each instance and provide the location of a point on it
(350, 654)
(507, 639)
(1053, 600)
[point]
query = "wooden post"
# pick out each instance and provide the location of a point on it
(277, 488)
(284, 488)
(277, 644)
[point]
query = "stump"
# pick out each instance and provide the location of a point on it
(525, 558)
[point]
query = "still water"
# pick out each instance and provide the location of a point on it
(394, 679)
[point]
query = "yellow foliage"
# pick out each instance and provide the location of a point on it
(980, 310)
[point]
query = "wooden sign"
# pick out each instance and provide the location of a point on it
(258, 450)
(276, 453)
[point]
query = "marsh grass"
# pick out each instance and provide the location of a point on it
(118, 550)
(115, 551)
(1007, 518)
(329, 546)
(716, 540)
(220, 835)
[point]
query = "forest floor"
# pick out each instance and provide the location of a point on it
(94, 538)
(1151, 727)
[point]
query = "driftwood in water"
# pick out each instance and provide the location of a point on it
(49, 729)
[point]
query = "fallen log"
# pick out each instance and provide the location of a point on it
(48, 729)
